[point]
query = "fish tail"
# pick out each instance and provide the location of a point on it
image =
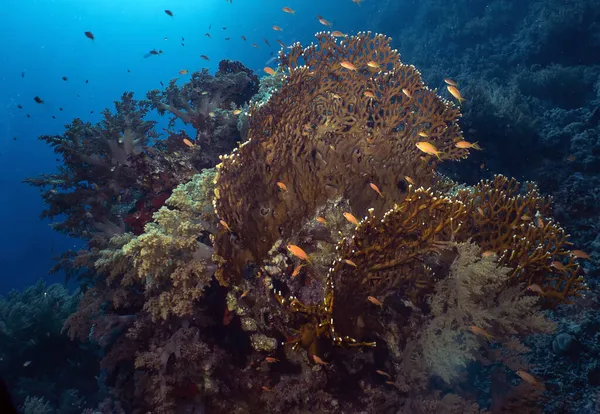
(476, 146)
(437, 154)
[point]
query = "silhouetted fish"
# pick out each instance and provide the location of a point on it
(89, 35)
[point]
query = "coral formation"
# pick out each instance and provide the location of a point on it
(342, 260)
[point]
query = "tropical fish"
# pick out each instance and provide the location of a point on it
(376, 189)
(183, 72)
(385, 374)
(269, 71)
(348, 65)
(369, 94)
(407, 93)
(456, 93)
(277, 29)
(467, 144)
(481, 332)
(224, 224)
(337, 33)
(297, 269)
(350, 262)
(169, 12)
(423, 134)
(204, 57)
(65, 78)
(288, 10)
(281, 186)
(450, 82)
(375, 301)
(237, 111)
(530, 379)
(281, 43)
(409, 180)
(428, 148)
(350, 217)
(188, 143)
(271, 360)
(319, 361)
(580, 254)
(298, 252)
(39, 100)
(89, 35)
(321, 220)
(324, 22)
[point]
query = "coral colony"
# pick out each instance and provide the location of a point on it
(321, 265)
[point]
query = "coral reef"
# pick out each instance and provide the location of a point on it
(349, 276)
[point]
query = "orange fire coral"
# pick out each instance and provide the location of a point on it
(327, 134)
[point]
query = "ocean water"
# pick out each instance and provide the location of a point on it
(469, 320)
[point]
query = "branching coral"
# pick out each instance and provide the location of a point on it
(323, 138)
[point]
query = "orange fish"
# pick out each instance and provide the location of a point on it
(423, 134)
(183, 72)
(277, 29)
(540, 222)
(224, 224)
(488, 253)
(244, 294)
(525, 217)
(350, 262)
(535, 288)
(375, 301)
(407, 93)
(369, 94)
(321, 220)
(188, 143)
(530, 379)
(456, 93)
(319, 361)
(271, 360)
(324, 22)
(237, 111)
(558, 265)
(409, 180)
(269, 71)
(385, 374)
(376, 189)
(467, 144)
(571, 158)
(348, 65)
(298, 252)
(428, 148)
(288, 10)
(450, 82)
(373, 65)
(204, 57)
(580, 254)
(481, 332)
(337, 33)
(297, 269)
(480, 211)
(350, 217)
(282, 186)
(265, 388)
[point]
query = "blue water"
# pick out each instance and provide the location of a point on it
(45, 40)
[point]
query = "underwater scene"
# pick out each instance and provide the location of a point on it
(300, 206)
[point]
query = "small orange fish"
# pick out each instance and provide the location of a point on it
(224, 224)
(318, 360)
(376, 189)
(350, 217)
(540, 222)
(558, 265)
(269, 71)
(298, 252)
(369, 94)
(409, 180)
(237, 111)
(277, 29)
(188, 143)
(530, 379)
(265, 388)
(321, 220)
(271, 360)
(535, 288)
(407, 93)
(281, 186)
(183, 72)
(429, 148)
(297, 269)
(350, 262)
(337, 33)
(348, 65)
(456, 93)
(525, 217)
(373, 65)
(423, 134)
(580, 254)
(324, 22)
(481, 332)
(375, 301)
(204, 57)
(288, 10)
(467, 144)
(488, 253)
(383, 373)
(571, 158)
(450, 82)
(244, 294)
